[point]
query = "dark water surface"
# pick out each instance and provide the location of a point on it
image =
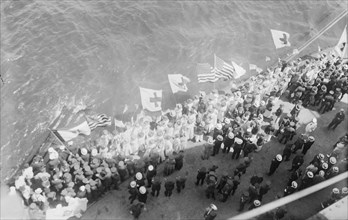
(97, 53)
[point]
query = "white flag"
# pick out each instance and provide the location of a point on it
(72, 133)
(341, 47)
(252, 66)
(151, 99)
(259, 70)
(280, 39)
(178, 82)
(268, 59)
(119, 123)
(125, 108)
(240, 71)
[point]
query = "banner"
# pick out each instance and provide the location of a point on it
(151, 99)
(280, 39)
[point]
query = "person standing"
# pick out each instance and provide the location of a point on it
(339, 117)
(256, 203)
(299, 143)
(236, 182)
(264, 188)
(275, 164)
(133, 191)
(297, 162)
(287, 151)
(308, 144)
(217, 145)
(237, 147)
(210, 212)
(244, 199)
(156, 186)
(142, 196)
(201, 176)
(169, 186)
(150, 174)
(226, 190)
(136, 209)
(290, 189)
(228, 142)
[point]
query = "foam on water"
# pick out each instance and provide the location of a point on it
(95, 54)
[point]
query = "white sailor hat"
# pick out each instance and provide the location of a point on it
(336, 190)
(322, 173)
(82, 188)
(325, 166)
(311, 138)
(238, 140)
(314, 120)
(321, 156)
(227, 120)
(279, 157)
(94, 152)
(133, 184)
(335, 169)
(138, 176)
(51, 149)
(257, 203)
(310, 174)
(150, 168)
(332, 160)
(219, 126)
(230, 135)
(210, 140)
(294, 184)
(142, 190)
(84, 151)
(219, 138)
(344, 190)
(38, 190)
(213, 207)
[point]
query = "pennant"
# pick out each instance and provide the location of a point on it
(119, 123)
(341, 47)
(240, 71)
(151, 99)
(72, 133)
(125, 108)
(252, 66)
(178, 82)
(280, 39)
(205, 73)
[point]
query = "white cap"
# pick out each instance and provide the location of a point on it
(84, 151)
(310, 174)
(324, 166)
(311, 138)
(230, 135)
(38, 190)
(210, 140)
(94, 152)
(294, 184)
(50, 149)
(314, 120)
(138, 176)
(345, 190)
(321, 156)
(257, 202)
(335, 169)
(213, 207)
(322, 173)
(142, 190)
(150, 168)
(219, 137)
(335, 190)
(219, 126)
(333, 160)
(82, 188)
(238, 140)
(279, 157)
(133, 184)
(227, 120)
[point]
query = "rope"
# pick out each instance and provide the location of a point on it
(321, 32)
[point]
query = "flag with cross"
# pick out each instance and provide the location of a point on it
(151, 99)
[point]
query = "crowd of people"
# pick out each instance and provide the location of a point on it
(238, 122)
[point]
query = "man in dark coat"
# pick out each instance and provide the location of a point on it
(133, 191)
(290, 189)
(222, 182)
(210, 212)
(151, 173)
(237, 147)
(201, 176)
(180, 182)
(264, 188)
(287, 151)
(228, 142)
(297, 162)
(136, 209)
(244, 199)
(156, 186)
(308, 144)
(339, 117)
(179, 160)
(299, 143)
(226, 190)
(169, 186)
(275, 164)
(217, 145)
(236, 183)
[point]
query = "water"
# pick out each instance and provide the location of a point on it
(97, 53)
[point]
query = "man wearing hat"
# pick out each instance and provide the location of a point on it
(142, 194)
(228, 142)
(288, 131)
(180, 182)
(156, 186)
(334, 196)
(256, 203)
(264, 188)
(169, 186)
(201, 174)
(237, 147)
(298, 144)
(332, 162)
(226, 190)
(308, 144)
(307, 180)
(217, 131)
(319, 177)
(150, 174)
(139, 179)
(133, 191)
(344, 192)
(296, 162)
(122, 170)
(222, 181)
(244, 199)
(327, 102)
(217, 145)
(275, 164)
(339, 117)
(211, 185)
(317, 159)
(333, 171)
(84, 155)
(290, 189)
(210, 212)
(179, 159)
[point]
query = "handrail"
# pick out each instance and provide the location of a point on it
(290, 198)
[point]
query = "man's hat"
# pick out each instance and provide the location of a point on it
(332, 160)
(230, 135)
(324, 166)
(311, 138)
(219, 126)
(84, 151)
(344, 190)
(213, 207)
(138, 176)
(238, 140)
(227, 120)
(219, 138)
(82, 188)
(142, 190)
(257, 203)
(310, 174)
(94, 152)
(38, 190)
(133, 184)
(321, 156)
(150, 168)
(279, 157)
(294, 184)
(331, 92)
(335, 169)
(322, 173)
(335, 190)
(113, 169)
(210, 141)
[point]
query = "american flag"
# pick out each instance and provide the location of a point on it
(205, 73)
(100, 120)
(222, 69)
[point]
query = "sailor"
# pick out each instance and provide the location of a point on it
(256, 203)
(150, 174)
(201, 174)
(307, 180)
(226, 190)
(208, 148)
(339, 117)
(142, 195)
(236, 183)
(228, 142)
(299, 143)
(297, 162)
(211, 184)
(179, 160)
(237, 147)
(217, 144)
(287, 151)
(275, 164)
(81, 193)
(133, 191)
(121, 168)
(115, 177)
(333, 171)
(308, 144)
(136, 209)
(290, 189)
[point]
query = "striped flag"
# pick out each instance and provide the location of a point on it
(222, 69)
(100, 120)
(205, 73)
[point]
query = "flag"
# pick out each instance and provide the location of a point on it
(68, 134)
(240, 71)
(259, 70)
(151, 99)
(178, 82)
(125, 108)
(280, 38)
(100, 120)
(205, 73)
(119, 124)
(252, 66)
(341, 47)
(222, 69)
